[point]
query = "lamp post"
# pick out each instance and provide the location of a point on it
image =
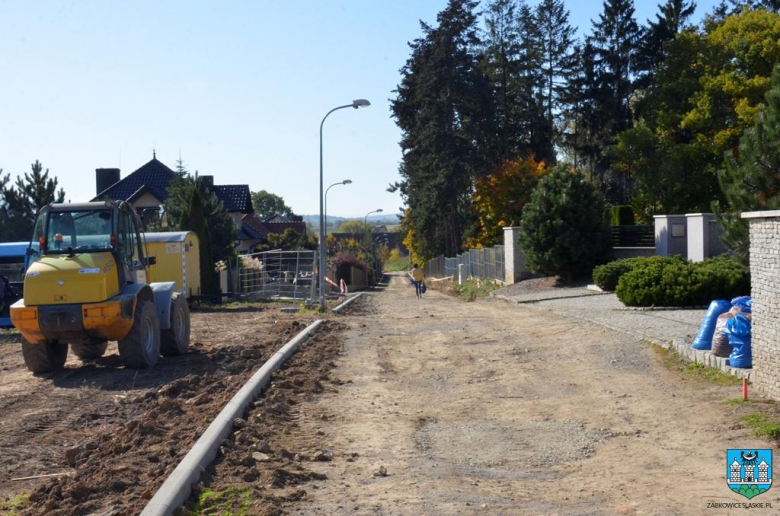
(365, 219)
(367, 239)
(345, 182)
(355, 104)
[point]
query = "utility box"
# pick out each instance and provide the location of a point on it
(178, 259)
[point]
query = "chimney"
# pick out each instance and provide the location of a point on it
(208, 181)
(104, 178)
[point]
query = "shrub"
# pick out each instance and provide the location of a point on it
(564, 228)
(622, 215)
(342, 259)
(676, 282)
(722, 277)
(607, 276)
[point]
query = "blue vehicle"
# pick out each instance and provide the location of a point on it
(14, 260)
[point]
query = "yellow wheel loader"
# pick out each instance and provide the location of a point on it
(88, 283)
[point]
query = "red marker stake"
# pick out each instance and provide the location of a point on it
(744, 389)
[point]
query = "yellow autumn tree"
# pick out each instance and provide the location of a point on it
(410, 240)
(499, 198)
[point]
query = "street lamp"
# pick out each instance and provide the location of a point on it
(355, 104)
(367, 240)
(345, 182)
(365, 220)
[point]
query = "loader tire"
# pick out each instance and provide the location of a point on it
(176, 340)
(44, 358)
(141, 347)
(89, 350)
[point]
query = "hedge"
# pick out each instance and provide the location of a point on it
(607, 276)
(676, 282)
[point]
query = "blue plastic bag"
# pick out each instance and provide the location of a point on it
(739, 334)
(703, 339)
(744, 303)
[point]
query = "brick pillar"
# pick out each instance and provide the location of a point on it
(765, 289)
(514, 261)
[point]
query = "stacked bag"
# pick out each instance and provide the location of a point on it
(726, 331)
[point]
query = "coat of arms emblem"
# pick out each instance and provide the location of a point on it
(749, 472)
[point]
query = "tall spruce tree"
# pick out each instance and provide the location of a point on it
(727, 8)
(443, 107)
(655, 37)
(558, 61)
(751, 179)
(587, 124)
(615, 37)
(501, 63)
(28, 195)
(539, 132)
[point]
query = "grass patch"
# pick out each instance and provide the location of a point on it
(711, 375)
(401, 264)
(474, 289)
(12, 506)
(762, 426)
(674, 361)
(230, 502)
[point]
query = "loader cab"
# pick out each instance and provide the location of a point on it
(84, 228)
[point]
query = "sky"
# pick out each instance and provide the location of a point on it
(236, 88)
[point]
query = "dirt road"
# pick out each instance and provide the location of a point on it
(453, 408)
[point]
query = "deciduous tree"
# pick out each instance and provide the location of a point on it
(499, 198)
(268, 205)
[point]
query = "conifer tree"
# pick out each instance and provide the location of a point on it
(565, 231)
(615, 37)
(501, 63)
(444, 109)
(558, 62)
(670, 20)
(194, 220)
(4, 225)
(538, 132)
(751, 179)
(177, 207)
(30, 193)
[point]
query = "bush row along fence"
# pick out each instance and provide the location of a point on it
(485, 264)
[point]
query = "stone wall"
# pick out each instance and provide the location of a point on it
(765, 289)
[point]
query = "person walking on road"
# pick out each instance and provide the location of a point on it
(417, 277)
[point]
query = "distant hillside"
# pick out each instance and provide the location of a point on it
(335, 220)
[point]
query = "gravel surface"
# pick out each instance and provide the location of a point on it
(607, 310)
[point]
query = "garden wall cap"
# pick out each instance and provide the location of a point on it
(699, 214)
(771, 214)
(666, 216)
